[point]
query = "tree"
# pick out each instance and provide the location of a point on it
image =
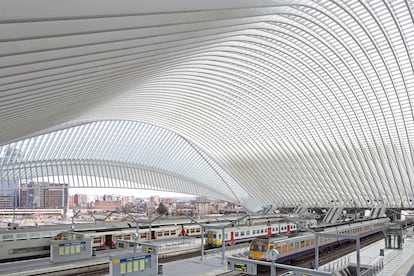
(162, 210)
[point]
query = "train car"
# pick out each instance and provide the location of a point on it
(35, 242)
(233, 235)
(289, 248)
(25, 244)
(169, 232)
(193, 230)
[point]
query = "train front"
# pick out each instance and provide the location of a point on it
(259, 249)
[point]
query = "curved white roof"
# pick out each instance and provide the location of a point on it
(280, 102)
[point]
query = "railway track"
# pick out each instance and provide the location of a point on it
(307, 262)
(338, 252)
(324, 258)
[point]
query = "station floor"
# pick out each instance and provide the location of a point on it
(397, 262)
(210, 266)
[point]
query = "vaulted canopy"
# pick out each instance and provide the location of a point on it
(279, 103)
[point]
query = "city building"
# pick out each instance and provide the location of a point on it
(9, 194)
(202, 206)
(43, 195)
(155, 200)
(80, 200)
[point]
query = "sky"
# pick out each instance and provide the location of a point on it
(126, 192)
(139, 193)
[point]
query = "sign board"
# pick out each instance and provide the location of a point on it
(70, 250)
(132, 264)
(246, 267)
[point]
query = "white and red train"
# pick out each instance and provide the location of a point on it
(233, 235)
(34, 242)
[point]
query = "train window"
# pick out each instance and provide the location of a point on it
(258, 247)
(166, 233)
(198, 230)
(173, 233)
(302, 244)
(143, 235)
(127, 237)
(21, 236)
(8, 237)
(307, 243)
(312, 242)
(236, 234)
(254, 232)
(279, 248)
(248, 232)
(34, 235)
(159, 234)
(47, 235)
(242, 233)
(38, 249)
(290, 247)
(118, 237)
(97, 240)
(277, 229)
(219, 236)
(284, 248)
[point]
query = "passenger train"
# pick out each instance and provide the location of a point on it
(32, 242)
(233, 235)
(290, 248)
(35, 242)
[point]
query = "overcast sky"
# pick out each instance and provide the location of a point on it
(124, 192)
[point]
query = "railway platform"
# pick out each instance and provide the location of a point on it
(44, 266)
(210, 266)
(396, 262)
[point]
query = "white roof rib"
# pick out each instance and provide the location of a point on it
(282, 102)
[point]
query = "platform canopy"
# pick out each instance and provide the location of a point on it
(281, 103)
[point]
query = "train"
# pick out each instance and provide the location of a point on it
(234, 235)
(108, 239)
(302, 244)
(32, 243)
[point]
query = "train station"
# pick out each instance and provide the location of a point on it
(297, 113)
